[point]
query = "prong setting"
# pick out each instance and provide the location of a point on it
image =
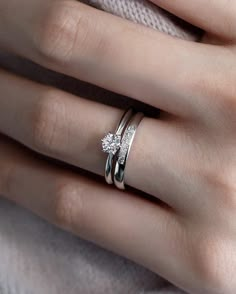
(111, 143)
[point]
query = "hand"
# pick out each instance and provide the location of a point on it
(186, 158)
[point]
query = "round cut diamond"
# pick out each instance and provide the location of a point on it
(111, 143)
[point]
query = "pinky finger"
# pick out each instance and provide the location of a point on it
(131, 226)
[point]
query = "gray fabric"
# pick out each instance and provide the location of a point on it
(146, 13)
(37, 258)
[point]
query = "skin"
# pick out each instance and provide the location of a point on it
(189, 236)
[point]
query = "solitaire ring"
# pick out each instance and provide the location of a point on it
(111, 143)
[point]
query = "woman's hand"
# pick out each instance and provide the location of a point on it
(187, 158)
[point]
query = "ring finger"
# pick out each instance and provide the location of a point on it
(69, 128)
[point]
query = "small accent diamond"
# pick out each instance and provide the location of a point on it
(125, 144)
(111, 143)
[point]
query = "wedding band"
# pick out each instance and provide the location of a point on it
(111, 144)
(124, 150)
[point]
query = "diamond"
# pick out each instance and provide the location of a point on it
(125, 144)
(111, 143)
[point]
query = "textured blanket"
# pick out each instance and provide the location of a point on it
(146, 13)
(37, 258)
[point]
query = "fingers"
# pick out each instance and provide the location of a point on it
(91, 45)
(124, 223)
(216, 17)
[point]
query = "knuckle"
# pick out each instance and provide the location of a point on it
(214, 265)
(223, 185)
(58, 32)
(222, 93)
(227, 104)
(228, 197)
(68, 205)
(45, 123)
(66, 28)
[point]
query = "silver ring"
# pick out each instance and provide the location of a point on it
(111, 144)
(123, 154)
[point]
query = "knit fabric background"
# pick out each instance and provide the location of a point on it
(36, 257)
(146, 13)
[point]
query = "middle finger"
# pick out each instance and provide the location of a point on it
(91, 45)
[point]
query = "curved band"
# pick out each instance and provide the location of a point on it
(123, 154)
(119, 131)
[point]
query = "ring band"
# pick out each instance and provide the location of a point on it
(123, 154)
(112, 142)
